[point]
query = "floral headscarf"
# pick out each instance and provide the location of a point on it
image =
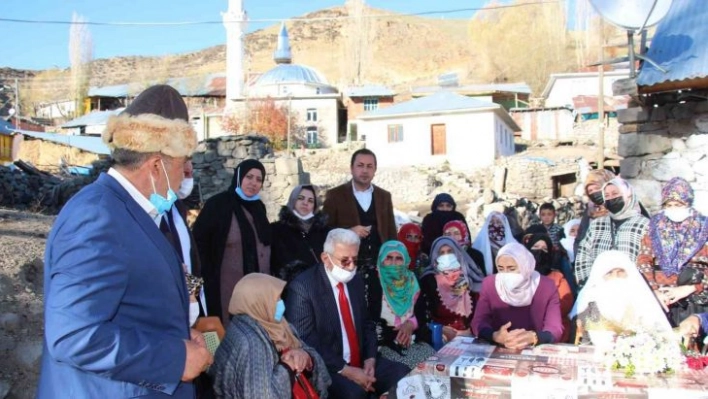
(523, 294)
(400, 286)
(489, 235)
(674, 244)
(598, 177)
(412, 247)
(465, 241)
(631, 204)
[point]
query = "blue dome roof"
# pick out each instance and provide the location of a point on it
(291, 73)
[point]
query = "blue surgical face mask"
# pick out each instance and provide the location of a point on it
(244, 197)
(161, 203)
(279, 310)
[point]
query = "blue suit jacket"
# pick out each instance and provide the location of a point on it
(310, 307)
(116, 305)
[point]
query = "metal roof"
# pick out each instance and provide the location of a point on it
(679, 45)
(369, 91)
(6, 128)
(576, 75)
(291, 73)
(92, 144)
(212, 85)
(92, 119)
(115, 91)
(519, 87)
(588, 104)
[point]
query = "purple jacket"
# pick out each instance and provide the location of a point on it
(543, 315)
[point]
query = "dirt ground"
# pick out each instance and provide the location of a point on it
(22, 241)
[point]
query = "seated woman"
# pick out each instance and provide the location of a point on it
(298, 235)
(261, 351)
(401, 337)
(517, 306)
(447, 288)
(442, 210)
(411, 236)
(616, 299)
(692, 327)
(459, 232)
(542, 250)
(494, 234)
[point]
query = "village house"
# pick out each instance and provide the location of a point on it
(361, 99)
(444, 127)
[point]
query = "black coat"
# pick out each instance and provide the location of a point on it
(293, 249)
(433, 224)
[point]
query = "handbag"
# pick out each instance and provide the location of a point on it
(303, 389)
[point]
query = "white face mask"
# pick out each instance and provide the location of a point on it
(340, 274)
(193, 312)
(447, 262)
(306, 217)
(510, 281)
(185, 189)
(677, 215)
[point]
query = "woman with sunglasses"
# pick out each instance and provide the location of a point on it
(402, 336)
(448, 286)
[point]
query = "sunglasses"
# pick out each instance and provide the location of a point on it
(346, 261)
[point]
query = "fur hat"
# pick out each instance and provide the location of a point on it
(156, 121)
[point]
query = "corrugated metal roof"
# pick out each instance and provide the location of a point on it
(92, 144)
(212, 85)
(519, 87)
(92, 119)
(576, 75)
(6, 127)
(438, 102)
(679, 45)
(369, 91)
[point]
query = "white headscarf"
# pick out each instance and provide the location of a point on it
(569, 241)
(482, 242)
(635, 293)
(523, 294)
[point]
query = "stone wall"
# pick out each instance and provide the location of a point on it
(532, 177)
(659, 143)
(585, 132)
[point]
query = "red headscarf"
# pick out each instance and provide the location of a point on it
(412, 247)
(462, 227)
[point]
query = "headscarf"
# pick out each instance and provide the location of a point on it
(674, 244)
(443, 197)
(400, 285)
(529, 241)
(598, 177)
(523, 294)
(411, 247)
(296, 191)
(465, 241)
(258, 212)
(455, 298)
(631, 204)
(567, 242)
(256, 295)
(484, 244)
(635, 293)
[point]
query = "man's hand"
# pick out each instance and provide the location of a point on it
(198, 360)
(502, 334)
(361, 231)
(405, 332)
(197, 338)
(360, 377)
(297, 359)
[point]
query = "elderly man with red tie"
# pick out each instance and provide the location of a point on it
(326, 305)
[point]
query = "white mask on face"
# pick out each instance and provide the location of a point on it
(447, 262)
(306, 217)
(185, 189)
(193, 312)
(340, 274)
(677, 215)
(510, 281)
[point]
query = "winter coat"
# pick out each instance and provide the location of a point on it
(293, 249)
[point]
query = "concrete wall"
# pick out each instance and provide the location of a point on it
(663, 142)
(567, 87)
(545, 124)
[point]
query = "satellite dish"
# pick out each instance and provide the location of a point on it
(632, 15)
(11, 111)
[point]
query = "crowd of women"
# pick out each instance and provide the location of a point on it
(546, 284)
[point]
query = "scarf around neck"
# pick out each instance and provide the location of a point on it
(400, 285)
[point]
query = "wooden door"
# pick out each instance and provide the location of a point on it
(438, 139)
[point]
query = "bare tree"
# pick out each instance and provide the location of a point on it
(358, 36)
(80, 56)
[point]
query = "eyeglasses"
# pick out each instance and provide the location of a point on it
(346, 261)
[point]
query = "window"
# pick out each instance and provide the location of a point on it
(371, 104)
(395, 133)
(312, 115)
(312, 135)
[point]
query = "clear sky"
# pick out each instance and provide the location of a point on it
(41, 46)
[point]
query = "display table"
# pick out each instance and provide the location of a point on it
(465, 368)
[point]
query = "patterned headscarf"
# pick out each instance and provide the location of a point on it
(598, 177)
(459, 225)
(455, 297)
(412, 247)
(631, 204)
(400, 286)
(523, 294)
(483, 243)
(674, 244)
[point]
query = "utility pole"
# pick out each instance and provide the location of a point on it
(17, 102)
(290, 107)
(601, 103)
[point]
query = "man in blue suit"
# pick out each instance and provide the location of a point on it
(327, 306)
(116, 304)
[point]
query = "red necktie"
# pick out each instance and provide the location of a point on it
(355, 356)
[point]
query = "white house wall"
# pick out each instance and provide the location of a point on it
(63, 109)
(470, 140)
(565, 88)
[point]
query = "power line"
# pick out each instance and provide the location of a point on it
(296, 19)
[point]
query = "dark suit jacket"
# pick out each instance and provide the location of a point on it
(340, 207)
(310, 307)
(193, 253)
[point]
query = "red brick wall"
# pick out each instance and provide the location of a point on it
(355, 106)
